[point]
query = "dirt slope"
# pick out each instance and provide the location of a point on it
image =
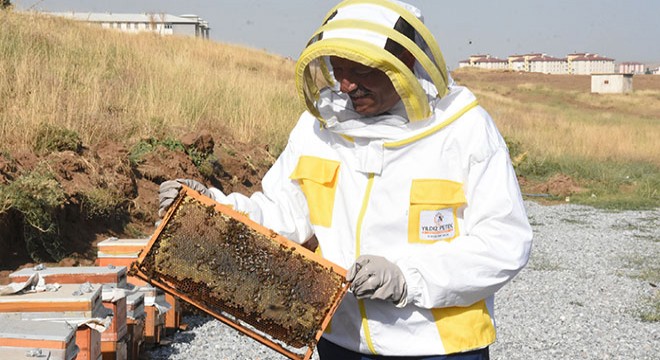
(133, 186)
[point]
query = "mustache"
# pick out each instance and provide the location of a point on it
(359, 92)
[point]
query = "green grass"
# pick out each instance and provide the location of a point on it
(607, 184)
(650, 308)
(647, 269)
(37, 196)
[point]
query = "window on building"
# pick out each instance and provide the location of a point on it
(168, 26)
(606, 82)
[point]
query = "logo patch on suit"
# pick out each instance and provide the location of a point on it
(436, 224)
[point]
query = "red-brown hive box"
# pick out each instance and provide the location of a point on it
(247, 276)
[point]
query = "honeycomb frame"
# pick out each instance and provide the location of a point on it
(243, 274)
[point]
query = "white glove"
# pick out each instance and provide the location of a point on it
(374, 277)
(170, 189)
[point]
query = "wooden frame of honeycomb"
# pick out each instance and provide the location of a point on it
(243, 274)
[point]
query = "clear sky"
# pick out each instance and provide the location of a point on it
(622, 30)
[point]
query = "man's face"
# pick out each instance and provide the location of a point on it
(370, 90)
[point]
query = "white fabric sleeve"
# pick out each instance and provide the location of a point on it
(281, 206)
(493, 247)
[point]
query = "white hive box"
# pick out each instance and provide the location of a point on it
(119, 252)
(22, 339)
(75, 275)
(67, 304)
(135, 322)
(62, 304)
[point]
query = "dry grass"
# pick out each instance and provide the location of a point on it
(607, 143)
(557, 116)
(109, 85)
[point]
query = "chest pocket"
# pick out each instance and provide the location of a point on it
(434, 205)
(318, 179)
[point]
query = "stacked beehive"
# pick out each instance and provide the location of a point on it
(124, 252)
(70, 304)
(130, 326)
(135, 321)
(22, 339)
(114, 340)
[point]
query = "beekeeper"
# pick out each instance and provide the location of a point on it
(405, 181)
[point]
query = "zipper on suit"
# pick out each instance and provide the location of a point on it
(358, 236)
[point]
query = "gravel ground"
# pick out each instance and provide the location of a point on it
(580, 296)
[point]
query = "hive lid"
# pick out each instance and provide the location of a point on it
(247, 276)
(67, 270)
(20, 353)
(114, 243)
(67, 293)
(11, 328)
(114, 247)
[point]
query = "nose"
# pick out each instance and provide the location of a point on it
(346, 85)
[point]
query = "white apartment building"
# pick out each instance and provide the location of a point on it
(632, 68)
(162, 24)
(517, 63)
(579, 63)
(547, 65)
(485, 62)
(587, 64)
(491, 63)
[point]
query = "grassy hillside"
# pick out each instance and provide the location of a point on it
(605, 146)
(103, 85)
(106, 85)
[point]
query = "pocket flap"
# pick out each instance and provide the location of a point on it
(437, 191)
(318, 170)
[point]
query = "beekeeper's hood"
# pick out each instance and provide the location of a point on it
(358, 30)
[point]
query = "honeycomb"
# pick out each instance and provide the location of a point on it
(229, 268)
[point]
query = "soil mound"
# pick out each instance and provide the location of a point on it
(85, 196)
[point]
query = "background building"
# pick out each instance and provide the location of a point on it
(632, 68)
(162, 24)
(547, 65)
(586, 64)
(611, 83)
(578, 63)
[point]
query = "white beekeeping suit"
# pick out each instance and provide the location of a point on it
(429, 186)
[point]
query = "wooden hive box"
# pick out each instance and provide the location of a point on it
(136, 339)
(114, 248)
(135, 304)
(63, 305)
(115, 350)
(135, 322)
(172, 317)
(155, 308)
(124, 252)
(244, 274)
(41, 339)
(114, 299)
(120, 252)
(110, 276)
(75, 275)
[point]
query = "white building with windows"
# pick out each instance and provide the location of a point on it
(491, 63)
(517, 63)
(485, 62)
(162, 24)
(547, 65)
(578, 63)
(632, 68)
(587, 64)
